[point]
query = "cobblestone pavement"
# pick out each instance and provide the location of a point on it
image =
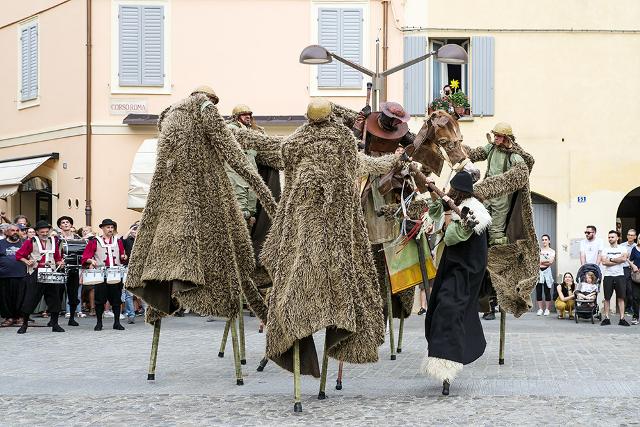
(556, 372)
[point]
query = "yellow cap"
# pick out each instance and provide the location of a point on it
(318, 110)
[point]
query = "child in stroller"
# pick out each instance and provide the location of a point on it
(589, 277)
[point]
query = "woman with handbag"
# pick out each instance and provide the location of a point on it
(634, 263)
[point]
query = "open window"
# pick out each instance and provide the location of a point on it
(443, 74)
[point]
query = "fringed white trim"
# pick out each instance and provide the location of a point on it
(479, 211)
(440, 369)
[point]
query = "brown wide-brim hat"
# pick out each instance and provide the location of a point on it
(395, 110)
(374, 128)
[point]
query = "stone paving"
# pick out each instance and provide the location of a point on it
(556, 372)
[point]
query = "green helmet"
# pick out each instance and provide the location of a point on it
(318, 110)
(241, 109)
(207, 90)
(502, 128)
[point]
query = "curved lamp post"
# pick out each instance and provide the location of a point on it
(447, 54)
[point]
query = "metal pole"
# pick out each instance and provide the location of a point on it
(236, 352)
(400, 334)
(323, 375)
(390, 315)
(503, 324)
(297, 406)
(243, 361)
(151, 376)
(223, 344)
(339, 379)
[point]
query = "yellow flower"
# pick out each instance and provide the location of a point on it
(455, 84)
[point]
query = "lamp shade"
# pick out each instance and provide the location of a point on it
(315, 54)
(451, 54)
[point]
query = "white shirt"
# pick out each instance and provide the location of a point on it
(591, 248)
(611, 252)
(628, 246)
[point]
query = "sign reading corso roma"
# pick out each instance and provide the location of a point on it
(127, 106)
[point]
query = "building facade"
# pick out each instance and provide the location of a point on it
(560, 72)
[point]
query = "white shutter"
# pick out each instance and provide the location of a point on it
(29, 62)
(351, 47)
(329, 37)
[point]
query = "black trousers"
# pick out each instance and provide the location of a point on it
(629, 300)
(112, 293)
(12, 291)
(547, 292)
(34, 291)
(636, 299)
(72, 285)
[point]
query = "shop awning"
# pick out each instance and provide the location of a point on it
(14, 171)
(144, 163)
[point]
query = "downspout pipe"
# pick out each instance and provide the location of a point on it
(87, 208)
(385, 45)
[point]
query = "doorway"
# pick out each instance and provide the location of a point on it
(544, 221)
(629, 211)
(36, 199)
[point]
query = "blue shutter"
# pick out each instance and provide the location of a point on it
(130, 52)
(436, 79)
(29, 62)
(415, 77)
(152, 46)
(351, 47)
(483, 71)
(329, 37)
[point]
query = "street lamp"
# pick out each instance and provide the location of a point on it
(447, 54)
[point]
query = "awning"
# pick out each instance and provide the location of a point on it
(144, 164)
(14, 171)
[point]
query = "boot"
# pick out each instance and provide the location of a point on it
(99, 311)
(25, 325)
(55, 327)
(445, 387)
(72, 318)
(116, 318)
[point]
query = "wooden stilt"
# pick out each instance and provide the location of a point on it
(243, 360)
(236, 352)
(423, 269)
(400, 331)
(223, 344)
(297, 406)
(323, 376)
(262, 364)
(390, 316)
(151, 376)
(339, 379)
(503, 325)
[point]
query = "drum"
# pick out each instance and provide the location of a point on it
(92, 276)
(49, 275)
(72, 252)
(113, 275)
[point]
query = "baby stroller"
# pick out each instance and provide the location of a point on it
(588, 309)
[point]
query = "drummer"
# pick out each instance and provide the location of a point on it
(39, 252)
(106, 251)
(65, 223)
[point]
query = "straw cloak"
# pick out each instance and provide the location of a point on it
(513, 267)
(318, 252)
(193, 247)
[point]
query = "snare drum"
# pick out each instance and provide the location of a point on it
(92, 276)
(72, 251)
(113, 275)
(125, 271)
(50, 276)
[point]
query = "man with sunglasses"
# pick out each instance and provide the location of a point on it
(590, 247)
(612, 259)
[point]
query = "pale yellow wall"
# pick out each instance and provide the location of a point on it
(61, 36)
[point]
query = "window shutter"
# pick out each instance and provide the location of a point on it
(483, 70)
(130, 55)
(437, 78)
(351, 47)
(329, 37)
(29, 62)
(415, 77)
(152, 46)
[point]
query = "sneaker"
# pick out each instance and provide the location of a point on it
(122, 316)
(82, 315)
(211, 319)
(67, 316)
(546, 312)
(489, 316)
(421, 311)
(623, 322)
(605, 322)
(131, 320)
(539, 312)
(634, 321)
(108, 313)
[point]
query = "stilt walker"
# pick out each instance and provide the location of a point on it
(176, 270)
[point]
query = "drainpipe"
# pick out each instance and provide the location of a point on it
(87, 180)
(385, 45)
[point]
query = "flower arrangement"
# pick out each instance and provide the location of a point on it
(459, 99)
(440, 104)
